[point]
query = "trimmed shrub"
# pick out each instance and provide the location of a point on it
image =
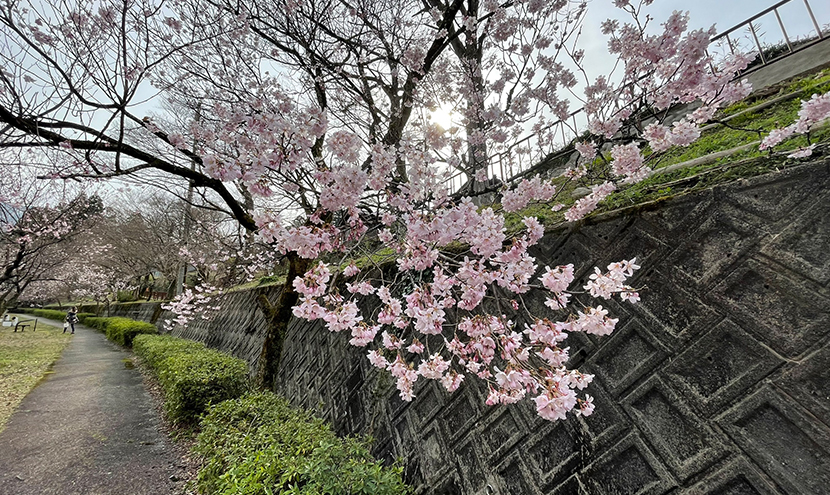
(192, 376)
(117, 329)
(123, 330)
(97, 322)
(56, 314)
(258, 444)
(52, 314)
(82, 317)
(153, 349)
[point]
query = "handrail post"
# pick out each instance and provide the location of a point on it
(501, 168)
(709, 60)
(781, 23)
(757, 43)
(813, 18)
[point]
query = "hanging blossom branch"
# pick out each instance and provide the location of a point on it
(446, 325)
(813, 113)
(457, 303)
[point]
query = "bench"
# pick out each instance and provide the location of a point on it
(22, 325)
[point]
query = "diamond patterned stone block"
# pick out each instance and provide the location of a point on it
(788, 315)
(630, 353)
(628, 467)
(683, 440)
(791, 447)
(721, 365)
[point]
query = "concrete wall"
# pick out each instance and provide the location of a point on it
(807, 60)
(718, 382)
(236, 328)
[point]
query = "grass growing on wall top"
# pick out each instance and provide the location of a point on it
(813, 83)
(742, 164)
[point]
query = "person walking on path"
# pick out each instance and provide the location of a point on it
(71, 318)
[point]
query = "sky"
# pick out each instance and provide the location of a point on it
(724, 14)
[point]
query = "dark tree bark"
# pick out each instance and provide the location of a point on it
(277, 316)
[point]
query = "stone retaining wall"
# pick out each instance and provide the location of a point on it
(717, 382)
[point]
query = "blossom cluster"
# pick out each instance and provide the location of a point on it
(813, 112)
(442, 328)
(192, 304)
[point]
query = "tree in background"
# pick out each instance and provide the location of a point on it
(146, 234)
(313, 130)
(37, 222)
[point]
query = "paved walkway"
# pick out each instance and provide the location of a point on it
(89, 428)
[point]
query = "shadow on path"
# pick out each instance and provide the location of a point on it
(89, 428)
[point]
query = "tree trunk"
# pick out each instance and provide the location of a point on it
(171, 290)
(471, 56)
(277, 317)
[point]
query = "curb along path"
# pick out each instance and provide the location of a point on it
(89, 428)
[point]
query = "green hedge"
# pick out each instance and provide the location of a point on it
(258, 444)
(123, 330)
(82, 317)
(117, 329)
(97, 322)
(153, 349)
(54, 314)
(193, 378)
(51, 314)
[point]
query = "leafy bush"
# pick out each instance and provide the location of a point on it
(258, 444)
(119, 330)
(52, 314)
(192, 376)
(97, 322)
(153, 349)
(82, 317)
(55, 314)
(123, 330)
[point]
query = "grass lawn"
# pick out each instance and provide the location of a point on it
(25, 358)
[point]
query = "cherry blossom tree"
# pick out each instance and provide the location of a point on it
(147, 239)
(313, 131)
(36, 223)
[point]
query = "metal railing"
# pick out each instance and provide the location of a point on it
(504, 169)
(752, 26)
